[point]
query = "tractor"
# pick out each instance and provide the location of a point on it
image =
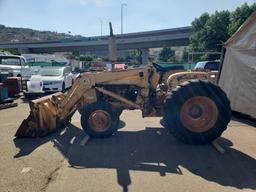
(193, 108)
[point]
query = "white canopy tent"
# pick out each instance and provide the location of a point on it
(238, 76)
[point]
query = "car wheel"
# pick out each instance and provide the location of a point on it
(63, 87)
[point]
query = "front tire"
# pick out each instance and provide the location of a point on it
(197, 112)
(99, 120)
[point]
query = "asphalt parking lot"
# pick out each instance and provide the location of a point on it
(142, 156)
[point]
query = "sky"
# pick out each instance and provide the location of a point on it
(84, 17)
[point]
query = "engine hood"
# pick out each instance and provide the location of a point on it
(46, 78)
(10, 67)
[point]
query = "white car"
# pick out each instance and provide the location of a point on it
(50, 80)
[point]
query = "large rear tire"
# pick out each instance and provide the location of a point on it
(196, 112)
(99, 120)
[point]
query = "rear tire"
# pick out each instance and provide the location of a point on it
(63, 87)
(99, 120)
(196, 112)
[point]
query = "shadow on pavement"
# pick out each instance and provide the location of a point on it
(24, 100)
(152, 150)
(61, 139)
(247, 121)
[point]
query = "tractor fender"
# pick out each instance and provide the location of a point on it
(177, 78)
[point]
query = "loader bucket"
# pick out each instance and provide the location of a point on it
(43, 117)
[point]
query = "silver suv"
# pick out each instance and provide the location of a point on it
(208, 65)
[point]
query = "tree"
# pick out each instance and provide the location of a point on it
(11, 50)
(184, 58)
(166, 54)
(135, 56)
(239, 16)
(210, 31)
(199, 30)
(85, 58)
(70, 56)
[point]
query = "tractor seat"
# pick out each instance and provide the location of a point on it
(160, 68)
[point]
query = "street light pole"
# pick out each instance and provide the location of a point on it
(101, 23)
(122, 7)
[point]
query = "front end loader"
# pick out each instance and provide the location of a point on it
(195, 111)
(193, 108)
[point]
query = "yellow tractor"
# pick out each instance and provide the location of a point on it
(194, 109)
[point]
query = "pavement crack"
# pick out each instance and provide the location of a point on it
(52, 176)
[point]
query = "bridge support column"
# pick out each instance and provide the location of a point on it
(145, 56)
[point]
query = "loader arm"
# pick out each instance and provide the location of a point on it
(54, 111)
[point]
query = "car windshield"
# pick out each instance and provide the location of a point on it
(50, 72)
(200, 65)
(10, 61)
(212, 65)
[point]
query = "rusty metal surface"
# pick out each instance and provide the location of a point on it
(100, 120)
(199, 114)
(177, 78)
(52, 112)
(42, 118)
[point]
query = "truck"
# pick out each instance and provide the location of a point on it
(14, 66)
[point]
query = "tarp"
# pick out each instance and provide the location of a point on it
(238, 76)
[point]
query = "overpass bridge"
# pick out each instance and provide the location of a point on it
(140, 40)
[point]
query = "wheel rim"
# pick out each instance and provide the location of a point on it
(199, 114)
(100, 120)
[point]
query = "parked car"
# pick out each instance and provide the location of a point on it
(208, 65)
(15, 66)
(50, 80)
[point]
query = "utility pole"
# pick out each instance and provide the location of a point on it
(122, 10)
(101, 23)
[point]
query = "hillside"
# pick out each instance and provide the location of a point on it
(14, 34)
